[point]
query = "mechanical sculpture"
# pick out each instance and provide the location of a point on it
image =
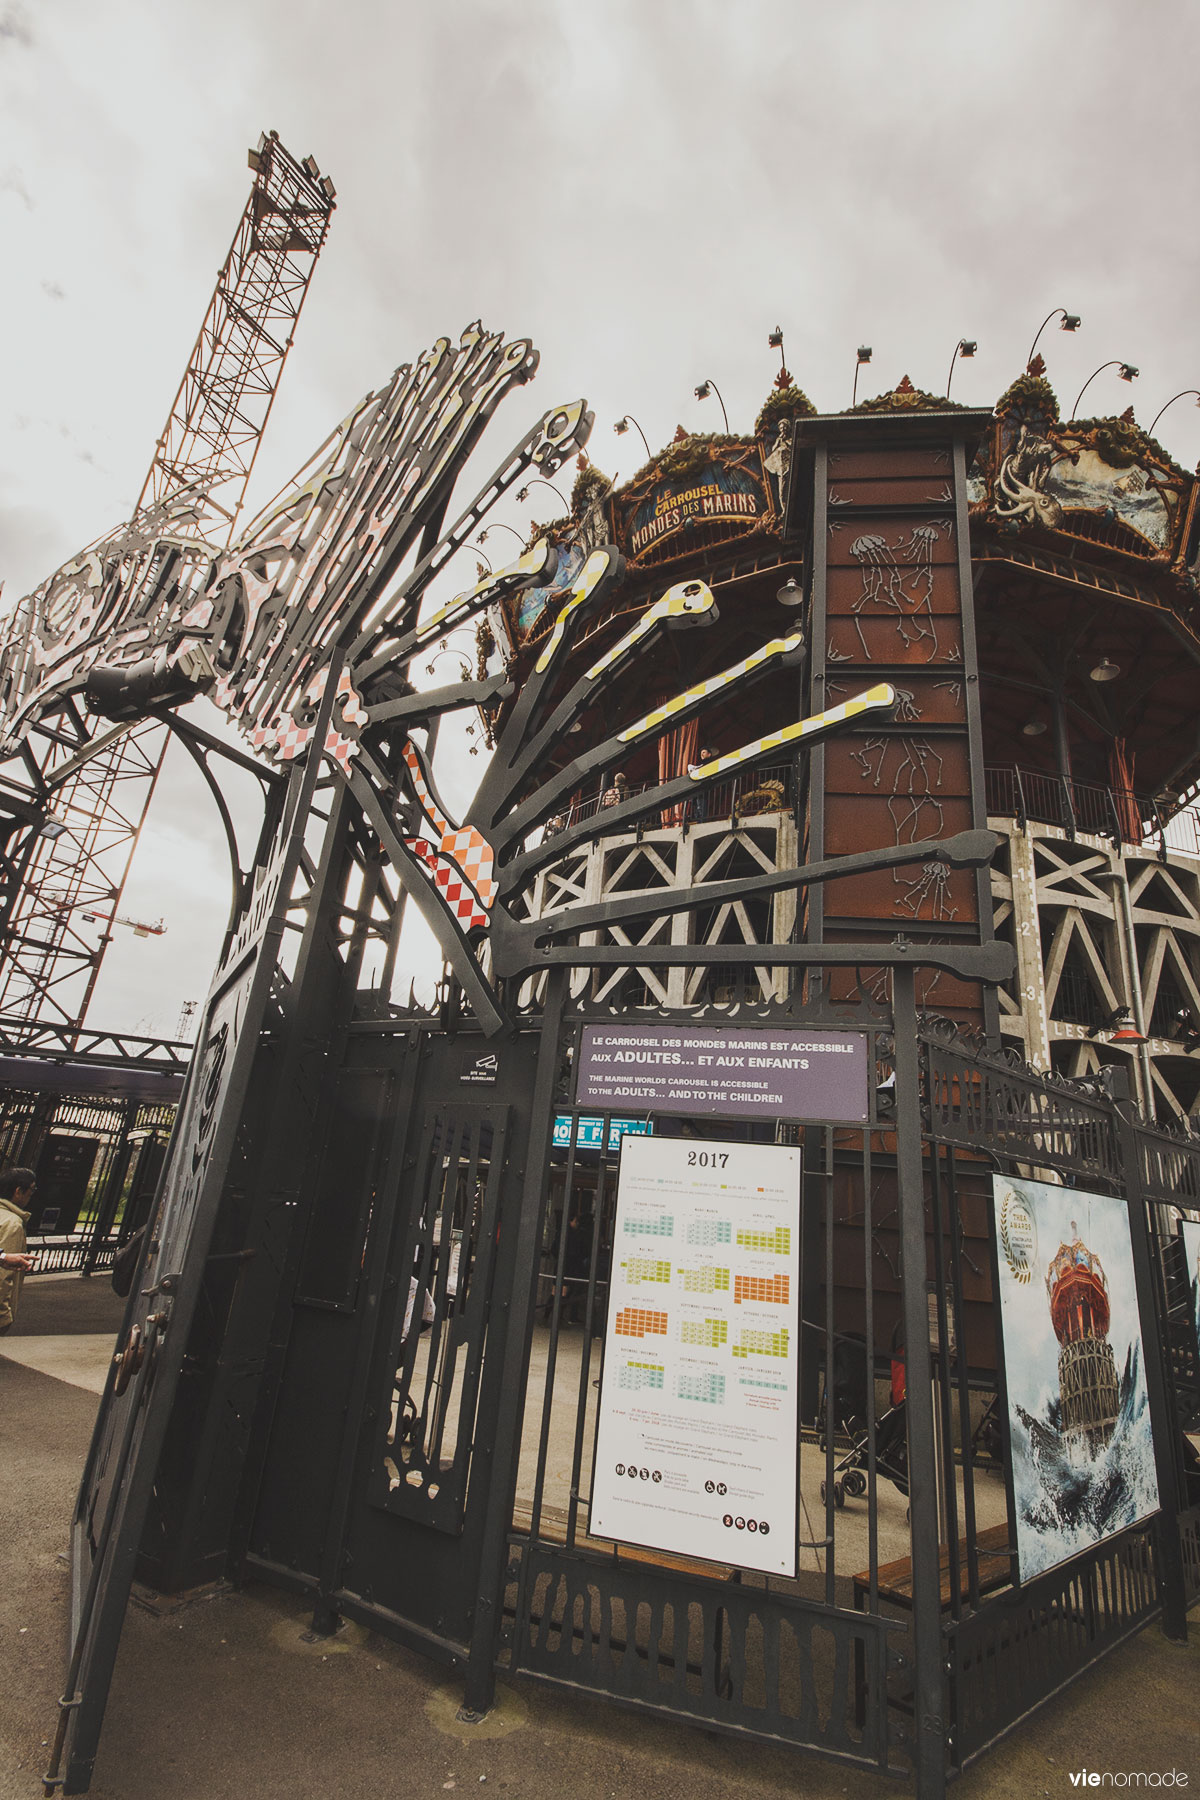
(312, 604)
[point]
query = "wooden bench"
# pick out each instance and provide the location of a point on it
(894, 1582)
(895, 1579)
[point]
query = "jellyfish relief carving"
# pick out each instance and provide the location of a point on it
(899, 578)
(916, 811)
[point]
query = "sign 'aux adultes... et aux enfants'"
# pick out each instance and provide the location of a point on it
(748, 1074)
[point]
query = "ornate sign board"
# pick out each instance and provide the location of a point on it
(697, 1433)
(1105, 482)
(725, 493)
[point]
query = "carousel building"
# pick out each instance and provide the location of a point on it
(1029, 587)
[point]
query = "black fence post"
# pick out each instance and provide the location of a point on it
(930, 1688)
(114, 1183)
(1163, 1423)
(506, 1432)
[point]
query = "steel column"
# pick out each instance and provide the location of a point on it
(485, 1636)
(1171, 1584)
(930, 1695)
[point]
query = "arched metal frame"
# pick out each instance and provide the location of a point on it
(314, 661)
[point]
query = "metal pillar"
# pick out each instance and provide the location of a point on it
(930, 1693)
(520, 1308)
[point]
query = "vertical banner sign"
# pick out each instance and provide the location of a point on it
(696, 1438)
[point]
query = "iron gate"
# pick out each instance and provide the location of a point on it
(429, 1459)
(381, 1464)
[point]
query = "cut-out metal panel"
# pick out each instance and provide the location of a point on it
(423, 1464)
(736, 1655)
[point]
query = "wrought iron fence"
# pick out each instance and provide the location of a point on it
(1116, 813)
(754, 791)
(113, 1150)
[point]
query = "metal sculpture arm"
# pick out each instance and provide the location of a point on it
(689, 603)
(682, 787)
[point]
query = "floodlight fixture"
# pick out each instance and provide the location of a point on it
(964, 347)
(710, 387)
(864, 354)
(1181, 395)
(1127, 372)
(1069, 321)
(622, 426)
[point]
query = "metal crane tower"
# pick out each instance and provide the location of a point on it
(73, 860)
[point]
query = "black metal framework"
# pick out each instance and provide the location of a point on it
(113, 1152)
(340, 1159)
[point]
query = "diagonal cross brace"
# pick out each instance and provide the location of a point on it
(517, 948)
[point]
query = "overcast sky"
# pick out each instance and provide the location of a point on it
(644, 187)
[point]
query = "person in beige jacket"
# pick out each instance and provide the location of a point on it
(16, 1193)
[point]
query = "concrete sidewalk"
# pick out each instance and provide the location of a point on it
(225, 1698)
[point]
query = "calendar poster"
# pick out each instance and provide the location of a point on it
(696, 1440)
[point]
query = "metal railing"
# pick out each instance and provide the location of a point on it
(1077, 806)
(752, 792)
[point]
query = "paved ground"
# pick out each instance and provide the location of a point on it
(225, 1698)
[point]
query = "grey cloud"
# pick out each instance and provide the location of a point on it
(12, 181)
(14, 25)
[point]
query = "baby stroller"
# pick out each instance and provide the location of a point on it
(848, 1390)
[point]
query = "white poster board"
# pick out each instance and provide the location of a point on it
(696, 1439)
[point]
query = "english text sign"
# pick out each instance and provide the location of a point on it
(744, 1074)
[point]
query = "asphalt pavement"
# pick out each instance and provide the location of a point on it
(228, 1696)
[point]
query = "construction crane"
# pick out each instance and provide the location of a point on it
(138, 927)
(62, 871)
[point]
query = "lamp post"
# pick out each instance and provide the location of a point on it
(1070, 322)
(1127, 371)
(523, 493)
(622, 426)
(499, 525)
(964, 347)
(702, 393)
(863, 357)
(1182, 394)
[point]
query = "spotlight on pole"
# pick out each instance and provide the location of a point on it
(622, 426)
(864, 356)
(1126, 371)
(964, 347)
(1069, 322)
(702, 393)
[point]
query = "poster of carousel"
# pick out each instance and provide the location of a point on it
(1190, 1232)
(1079, 1420)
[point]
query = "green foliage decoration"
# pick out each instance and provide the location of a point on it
(782, 403)
(684, 457)
(1121, 443)
(1029, 397)
(906, 398)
